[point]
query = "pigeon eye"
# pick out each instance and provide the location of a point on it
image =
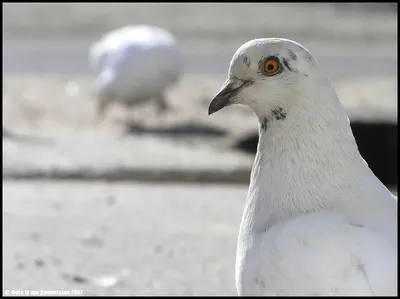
(271, 66)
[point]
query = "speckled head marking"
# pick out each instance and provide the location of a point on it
(269, 75)
(264, 124)
(246, 61)
(310, 59)
(279, 113)
(286, 63)
(292, 55)
(260, 65)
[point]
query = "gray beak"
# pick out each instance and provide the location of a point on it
(228, 91)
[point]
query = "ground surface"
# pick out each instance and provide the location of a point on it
(155, 239)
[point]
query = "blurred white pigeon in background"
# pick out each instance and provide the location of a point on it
(317, 221)
(135, 64)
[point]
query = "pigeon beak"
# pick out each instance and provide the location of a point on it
(225, 96)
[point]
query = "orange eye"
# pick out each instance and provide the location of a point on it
(271, 66)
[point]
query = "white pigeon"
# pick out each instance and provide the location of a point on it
(316, 220)
(134, 64)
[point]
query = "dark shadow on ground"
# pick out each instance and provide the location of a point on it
(188, 129)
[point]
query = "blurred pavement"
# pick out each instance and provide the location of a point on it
(152, 239)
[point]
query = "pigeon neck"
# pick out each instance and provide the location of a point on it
(304, 159)
(313, 128)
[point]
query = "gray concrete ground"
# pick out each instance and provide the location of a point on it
(153, 239)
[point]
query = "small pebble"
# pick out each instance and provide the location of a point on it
(57, 206)
(72, 89)
(157, 249)
(111, 200)
(74, 278)
(106, 281)
(35, 236)
(171, 253)
(79, 279)
(20, 266)
(39, 263)
(89, 238)
(56, 261)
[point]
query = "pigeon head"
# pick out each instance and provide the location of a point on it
(268, 74)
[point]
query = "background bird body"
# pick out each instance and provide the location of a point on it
(134, 64)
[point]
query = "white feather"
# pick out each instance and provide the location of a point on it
(317, 221)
